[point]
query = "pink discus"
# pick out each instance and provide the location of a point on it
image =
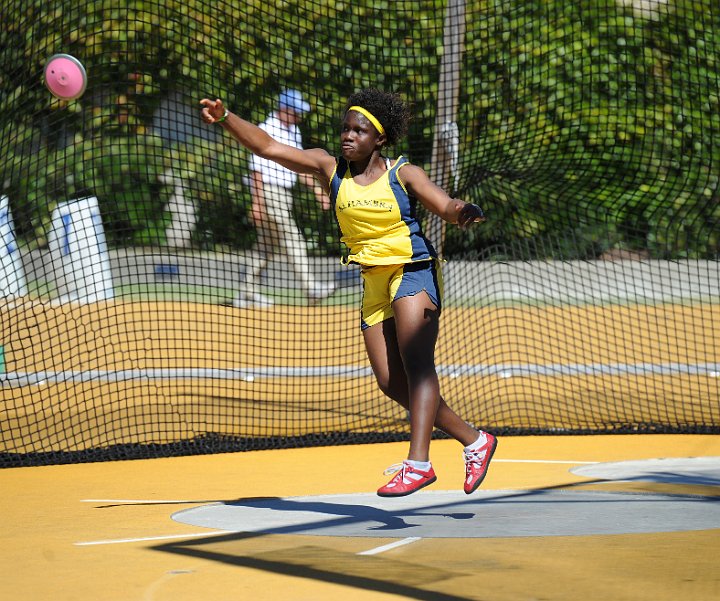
(65, 77)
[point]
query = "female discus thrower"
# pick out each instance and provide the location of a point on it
(374, 201)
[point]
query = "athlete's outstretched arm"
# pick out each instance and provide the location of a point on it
(436, 200)
(315, 161)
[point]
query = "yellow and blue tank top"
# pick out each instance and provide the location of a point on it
(378, 222)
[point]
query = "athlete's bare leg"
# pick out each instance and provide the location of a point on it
(402, 355)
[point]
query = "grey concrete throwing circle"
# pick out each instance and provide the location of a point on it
(675, 470)
(452, 514)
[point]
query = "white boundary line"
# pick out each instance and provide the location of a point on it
(389, 546)
(119, 541)
(550, 461)
(149, 501)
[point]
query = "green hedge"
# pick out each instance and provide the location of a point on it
(580, 121)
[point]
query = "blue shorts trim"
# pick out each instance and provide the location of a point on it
(418, 277)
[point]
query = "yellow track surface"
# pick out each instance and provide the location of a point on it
(104, 531)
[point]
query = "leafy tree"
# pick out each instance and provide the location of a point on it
(588, 121)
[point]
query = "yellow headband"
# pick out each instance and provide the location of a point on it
(372, 118)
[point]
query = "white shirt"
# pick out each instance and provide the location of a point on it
(272, 173)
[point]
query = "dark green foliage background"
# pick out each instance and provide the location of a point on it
(585, 126)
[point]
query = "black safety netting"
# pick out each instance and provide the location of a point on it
(142, 314)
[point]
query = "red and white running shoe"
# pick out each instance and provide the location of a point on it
(477, 463)
(407, 480)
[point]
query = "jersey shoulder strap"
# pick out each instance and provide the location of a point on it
(340, 170)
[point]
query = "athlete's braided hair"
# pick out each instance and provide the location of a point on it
(387, 107)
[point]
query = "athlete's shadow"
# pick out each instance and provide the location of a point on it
(347, 567)
(349, 514)
(327, 565)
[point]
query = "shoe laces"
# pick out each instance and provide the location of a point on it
(394, 469)
(475, 457)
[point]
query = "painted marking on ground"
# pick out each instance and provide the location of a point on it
(146, 501)
(141, 539)
(390, 546)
